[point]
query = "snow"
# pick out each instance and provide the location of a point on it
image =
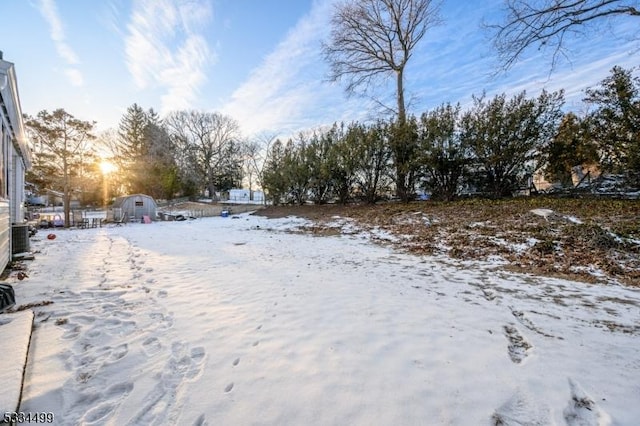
(546, 213)
(15, 333)
(543, 212)
(241, 321)
(574, 219)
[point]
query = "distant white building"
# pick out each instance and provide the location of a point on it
(245, 196)
(15, 160)
(240, 195)
(258, 196)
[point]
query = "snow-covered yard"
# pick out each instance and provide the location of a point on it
(225, 321)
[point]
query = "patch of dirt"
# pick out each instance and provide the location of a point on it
(589, 239)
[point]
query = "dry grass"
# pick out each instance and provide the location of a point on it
(605, 247)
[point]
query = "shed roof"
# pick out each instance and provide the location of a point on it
(118, 202)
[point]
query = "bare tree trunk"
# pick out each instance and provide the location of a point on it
(66, 195)
(402, 113)
(401, 141)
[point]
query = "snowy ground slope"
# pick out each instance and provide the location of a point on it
(237, 321)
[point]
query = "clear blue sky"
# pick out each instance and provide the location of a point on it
(259, 60)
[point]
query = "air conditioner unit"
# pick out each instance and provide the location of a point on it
(19, 238)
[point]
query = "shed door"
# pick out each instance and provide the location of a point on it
(139, 208)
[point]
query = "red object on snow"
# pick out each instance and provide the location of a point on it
(51, 236)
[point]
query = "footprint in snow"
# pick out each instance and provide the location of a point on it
(112, 323)
(98, 414)
(110, 400)
(489, 294)
(120, 328)
(118, 391)
(200, 421)
(119, 352)
(582, 410)
(186, 362)
(93, 334)
(151, 346)
(72, 333)
(197, 356)
(521, 409)
(83, 319)
(518, 345)
(519, 315)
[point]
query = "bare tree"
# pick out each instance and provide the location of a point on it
(372, 39)
(256, 155)
(211, 143)
(547, 23)
(376, 38)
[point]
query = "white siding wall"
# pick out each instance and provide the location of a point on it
(17, 196)
(5, 234)
(5, 215)
(14, 159)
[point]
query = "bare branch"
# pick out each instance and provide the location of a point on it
(372, 39)
(546, 23)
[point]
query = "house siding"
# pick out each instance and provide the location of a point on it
(5, 206)
(14, 159)
(5, 234)
(17, 195)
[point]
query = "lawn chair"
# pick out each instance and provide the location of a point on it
(120, 219)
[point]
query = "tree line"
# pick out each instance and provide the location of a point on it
(492, 148)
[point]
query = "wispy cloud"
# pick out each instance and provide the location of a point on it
(287, 92)
(49, 11)
(166, 48)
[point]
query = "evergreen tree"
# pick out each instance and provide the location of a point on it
(403, 141)
(570, 147)
(373, 155)
(615, 124)
(344, 160)
(506, 138)
(145, 154)
(442, 156)
(273, 177)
